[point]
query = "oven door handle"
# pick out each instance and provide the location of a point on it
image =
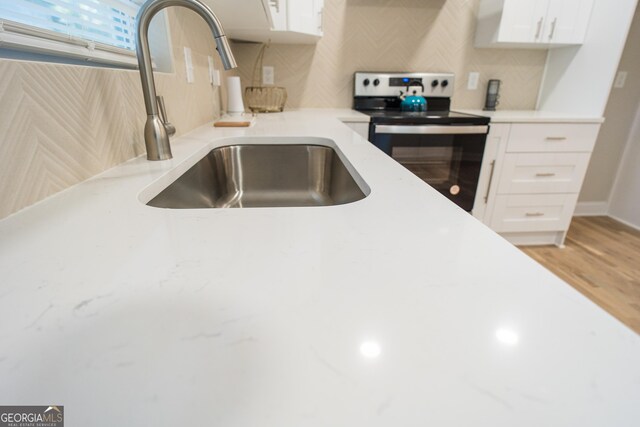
(431, 129)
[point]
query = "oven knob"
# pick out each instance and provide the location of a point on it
(376, 82)
(366, 82)
(434, 83)
(445, 83)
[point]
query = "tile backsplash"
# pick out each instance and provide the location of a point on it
(61, 124)
(397, 35)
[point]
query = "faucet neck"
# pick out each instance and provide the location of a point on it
(156, 137)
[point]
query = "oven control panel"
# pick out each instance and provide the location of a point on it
(390, 84)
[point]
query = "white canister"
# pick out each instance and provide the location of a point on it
(234, 96)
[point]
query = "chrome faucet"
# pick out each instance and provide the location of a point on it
(158, 129)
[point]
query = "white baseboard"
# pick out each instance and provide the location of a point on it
(627, 223)
(591, 209)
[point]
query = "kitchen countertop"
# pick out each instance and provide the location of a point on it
(399, 309)
(532, 116)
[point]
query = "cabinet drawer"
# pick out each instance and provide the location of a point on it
(543, 212)
(552, 137)
(535, 173)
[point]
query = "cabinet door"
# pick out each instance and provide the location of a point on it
(567, 21)
(523, 21)
(278, 10)
(301, 16)
(490, 169)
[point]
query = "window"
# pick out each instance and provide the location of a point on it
(95, 30)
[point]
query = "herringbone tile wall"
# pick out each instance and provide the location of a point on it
(397, 35)
(61, 124)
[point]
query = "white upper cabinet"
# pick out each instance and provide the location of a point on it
(278, 10)
(532, 23)
(567, 21)
(305, 16)
(522, 21)
(278, 21)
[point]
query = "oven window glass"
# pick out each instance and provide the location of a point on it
(435, 165)
(450, 163)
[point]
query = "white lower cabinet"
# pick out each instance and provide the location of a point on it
(525, 212)
(552, 138)
(538, 173)
(531, 177)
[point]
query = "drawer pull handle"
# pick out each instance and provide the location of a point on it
(556, 138)
(533, 214)
(545, 174)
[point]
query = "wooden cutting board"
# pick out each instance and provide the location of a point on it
(242, 121)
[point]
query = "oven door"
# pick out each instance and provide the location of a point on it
(447, 157)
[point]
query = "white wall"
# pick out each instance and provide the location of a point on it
(625, 198)
(614, 134)
(578, 79)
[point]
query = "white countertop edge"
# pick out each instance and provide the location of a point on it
(500, 116)
(531, 116)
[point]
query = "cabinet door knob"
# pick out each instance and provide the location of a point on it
(545, 174)
(533, 214)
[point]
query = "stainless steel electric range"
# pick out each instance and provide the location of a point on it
(442, 147)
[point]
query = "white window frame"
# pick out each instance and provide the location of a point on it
(23, 37)
(18, 36)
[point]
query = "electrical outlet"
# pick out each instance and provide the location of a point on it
(472, 82)
(216, 78)
(188, 63)
(268, 75)
(621, 79)
(214, 75)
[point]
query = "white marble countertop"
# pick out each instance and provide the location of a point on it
(532, 116)
(397, 310)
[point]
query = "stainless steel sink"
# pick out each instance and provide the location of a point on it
(243, 176)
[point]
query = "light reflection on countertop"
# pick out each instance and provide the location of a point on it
(370, 349)
(507, 336)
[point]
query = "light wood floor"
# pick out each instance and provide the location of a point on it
(601, 260)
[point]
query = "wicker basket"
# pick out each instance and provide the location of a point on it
(264, 99)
